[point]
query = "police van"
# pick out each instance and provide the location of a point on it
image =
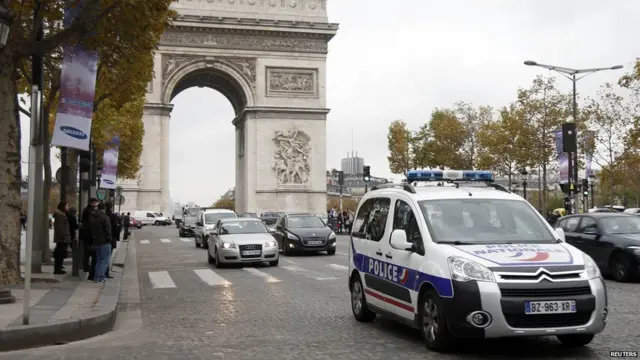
(455, 255)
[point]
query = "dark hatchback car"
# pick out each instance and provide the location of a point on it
(611, 239)
(187, 227)
(304, 233)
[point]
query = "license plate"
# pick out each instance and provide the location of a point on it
(549, 307)
(251, 252)
(315, 242)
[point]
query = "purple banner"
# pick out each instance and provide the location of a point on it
(77, 92)
(110, 164)
(563, 159)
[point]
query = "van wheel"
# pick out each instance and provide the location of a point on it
(331, 252)
(359, 302)
(433, 322)
(210, 258)
(575, 340)
(157, 223)
(621, 267)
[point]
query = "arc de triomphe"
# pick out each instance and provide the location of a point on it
(268, 58)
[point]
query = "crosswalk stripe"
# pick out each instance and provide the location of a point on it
(161, 280)
(210, 277)
(144, 241)
(309, 273)
(341, 253)
(268, 278)
(165, 240)
(186, 239)
(338, 267)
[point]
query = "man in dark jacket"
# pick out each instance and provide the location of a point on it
(61, 237)
(89, 258)
(126, 222)
(101, 233)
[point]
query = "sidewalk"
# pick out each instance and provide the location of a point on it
(63, 308)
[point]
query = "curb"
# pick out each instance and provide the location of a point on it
(98, 321)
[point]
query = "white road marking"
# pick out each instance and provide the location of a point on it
(186, 239)
(211, 278)
(341, 253)
(309, 273)
(289, 261)
(268, 278)
(338, 267)
(144, 241)
(161, 280)
(165, 240)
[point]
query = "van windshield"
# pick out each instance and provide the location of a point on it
(484, 221)
(213, 218)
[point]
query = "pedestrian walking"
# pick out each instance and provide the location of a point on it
(115, 233)
(86, 238)
(101, 234)
(126, 222)
(61, 237)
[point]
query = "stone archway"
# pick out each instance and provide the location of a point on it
(268, 58)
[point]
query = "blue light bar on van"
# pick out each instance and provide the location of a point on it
(449, 175)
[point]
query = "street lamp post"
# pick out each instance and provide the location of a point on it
(523, 174)
(572, 74)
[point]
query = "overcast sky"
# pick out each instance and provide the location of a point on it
(401, 59)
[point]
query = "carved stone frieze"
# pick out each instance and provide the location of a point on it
(172, 62)
(291, 157)
(292, 81)
(243, 41)
(259, 4)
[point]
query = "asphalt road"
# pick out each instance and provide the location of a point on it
(186, 309)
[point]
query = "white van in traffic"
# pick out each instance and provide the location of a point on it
(147, 217)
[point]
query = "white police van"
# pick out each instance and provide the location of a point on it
(468, 259)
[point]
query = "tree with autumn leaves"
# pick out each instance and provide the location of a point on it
(522, 135)
(124, 33)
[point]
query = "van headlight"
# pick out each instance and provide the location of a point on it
(590, 267)
(634, 249)
(466, 270)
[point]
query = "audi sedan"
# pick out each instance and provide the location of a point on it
(242, 241)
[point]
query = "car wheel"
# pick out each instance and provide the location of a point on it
(216, 258)
(285, 249)
(197, 243)
(139, 227)
(575, 340)
(621, 267)
(157, 223)
(210, 258)
(331, 252)
(274, 263)
(205, 243)
(434, 328)
(359, 302)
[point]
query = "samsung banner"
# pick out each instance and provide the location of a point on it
(563, 159)
(110, 164)
(77, 91)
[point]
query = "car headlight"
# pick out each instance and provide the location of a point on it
(635, 249)
(466, 270)
(332, 236)
(590, 267)
(291, 236)
(270, 244)
(227, 245)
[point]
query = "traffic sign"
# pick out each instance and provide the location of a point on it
(118, 190)
(101, 194)
(119, 200)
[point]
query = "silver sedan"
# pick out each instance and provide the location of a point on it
(240, 241)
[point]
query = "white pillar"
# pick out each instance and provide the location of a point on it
(164, 174)
(154, 179)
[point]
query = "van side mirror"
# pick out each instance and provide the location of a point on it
(272, 230)
(561, 235)
(399, 241)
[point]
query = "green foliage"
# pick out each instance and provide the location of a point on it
(225, 203)
(398, 143)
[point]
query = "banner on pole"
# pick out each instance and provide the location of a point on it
(77, 92)
(563, 159)
(110, 164)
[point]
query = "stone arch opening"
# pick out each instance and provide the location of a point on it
(231, 78)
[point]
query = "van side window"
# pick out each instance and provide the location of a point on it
(150, 215)
(404, 219)
(371, 220)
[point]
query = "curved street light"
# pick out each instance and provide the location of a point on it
(5, 24)
(570, 74)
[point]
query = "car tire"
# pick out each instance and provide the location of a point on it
(216, 260)
(196, 241)
(285, 249)
(157, 223)
(210, 258)
(433, 322)
(180, 233)
(331, 252)
(139, 227)
(274, 263)
(575, 340)
(359, 301)
(621, 266)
